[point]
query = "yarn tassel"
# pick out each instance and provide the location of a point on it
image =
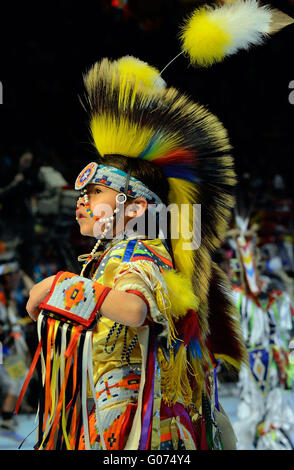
(175, 382)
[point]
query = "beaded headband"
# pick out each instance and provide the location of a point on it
(115, 179)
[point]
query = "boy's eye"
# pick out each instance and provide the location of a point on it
(97, 191)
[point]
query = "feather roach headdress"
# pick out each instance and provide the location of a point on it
(187, 142)
(134, 114)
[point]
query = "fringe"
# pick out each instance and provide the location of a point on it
(66, 367)
(174, 377)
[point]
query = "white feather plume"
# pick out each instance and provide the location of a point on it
(247, 21)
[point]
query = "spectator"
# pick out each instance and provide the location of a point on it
(17, 209)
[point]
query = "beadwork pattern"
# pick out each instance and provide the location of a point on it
(114, 178)
(75, 295)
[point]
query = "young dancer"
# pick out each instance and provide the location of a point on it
(140, 330)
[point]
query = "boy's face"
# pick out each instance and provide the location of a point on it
(102, 202)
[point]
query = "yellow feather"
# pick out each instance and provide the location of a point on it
(144, 73)
(228, 360)
(204, 38)
(112, 135)
(213, 32)
(181, 293)
(111, 130)
(182, 193)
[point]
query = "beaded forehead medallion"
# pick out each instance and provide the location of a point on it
(86, 175)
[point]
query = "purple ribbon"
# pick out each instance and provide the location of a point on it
(148, 414)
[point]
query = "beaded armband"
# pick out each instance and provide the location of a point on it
(75, 298)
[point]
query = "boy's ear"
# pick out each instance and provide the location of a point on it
(137, 207)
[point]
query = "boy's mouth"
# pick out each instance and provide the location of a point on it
(80, 215)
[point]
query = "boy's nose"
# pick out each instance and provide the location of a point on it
(80, 201)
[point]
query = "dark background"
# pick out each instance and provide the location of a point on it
(46, 47)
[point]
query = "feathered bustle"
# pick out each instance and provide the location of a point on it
(181, 293)
(225, 337)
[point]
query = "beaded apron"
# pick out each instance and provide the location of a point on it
(117, 395)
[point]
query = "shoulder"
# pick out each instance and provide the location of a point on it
(148, 250)
(132, 251)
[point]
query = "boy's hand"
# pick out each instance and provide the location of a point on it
(37, 294)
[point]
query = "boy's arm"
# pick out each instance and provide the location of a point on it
(122, 307)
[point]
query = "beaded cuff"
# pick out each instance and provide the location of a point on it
(75, 298)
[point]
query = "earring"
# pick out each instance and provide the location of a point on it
(120, 200)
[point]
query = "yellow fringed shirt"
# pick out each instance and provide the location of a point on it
(131, 265)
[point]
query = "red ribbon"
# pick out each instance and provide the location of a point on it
(28, 378)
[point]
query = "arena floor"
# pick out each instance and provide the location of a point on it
(25, 424)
